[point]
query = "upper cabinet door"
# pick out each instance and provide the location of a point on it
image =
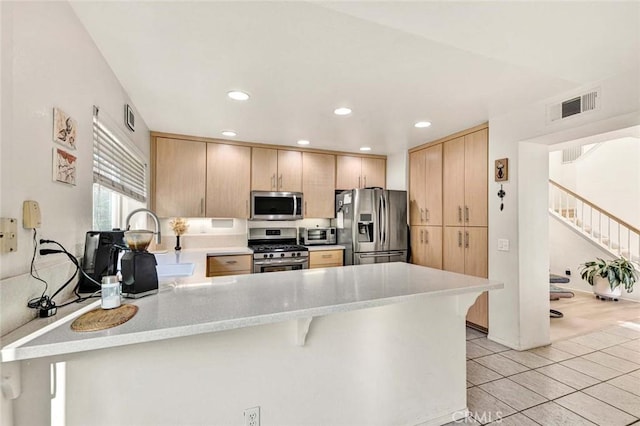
(180, 176)
(228, 180)
(264, 169)
(318, 185)
(453, 182)
(417, 189)
(433, 185)
(475, 178)
(374, 172)
(348, 171)
(289, 171)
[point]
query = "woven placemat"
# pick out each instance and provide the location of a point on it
(101, 319)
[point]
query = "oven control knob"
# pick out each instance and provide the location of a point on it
(265, 256)
(281, 254)
(298, 254)
(271, 255)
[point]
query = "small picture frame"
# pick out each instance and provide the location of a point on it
(64, 166)
(502, 170)
(129, 118)
(64, 129)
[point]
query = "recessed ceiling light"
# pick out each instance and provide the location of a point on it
(422, 124)
(230, 133)
(365, 148)
(342, 111)
(303, 142)
(238, 95)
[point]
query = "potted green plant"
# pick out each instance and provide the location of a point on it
(608, 277)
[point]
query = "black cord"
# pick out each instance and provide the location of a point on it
(43, 301)
(46, 302)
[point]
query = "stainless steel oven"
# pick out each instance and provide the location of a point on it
(275, 249)
(276, 265)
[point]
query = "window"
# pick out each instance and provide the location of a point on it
(119, 175)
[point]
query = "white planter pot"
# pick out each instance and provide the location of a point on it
(602, 288)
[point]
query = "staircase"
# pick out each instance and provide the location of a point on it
(594, 223)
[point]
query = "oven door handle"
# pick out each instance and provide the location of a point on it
(281, 261)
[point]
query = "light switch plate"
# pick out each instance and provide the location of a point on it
(503, 244)
(8, 235)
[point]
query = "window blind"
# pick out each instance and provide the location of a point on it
(117, 163)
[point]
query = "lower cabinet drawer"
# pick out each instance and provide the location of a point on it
(325, 258)
(228, 265)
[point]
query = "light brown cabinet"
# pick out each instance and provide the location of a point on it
(360, 172)
(466, 252)
(426, 246)
(276, 170)
(228, 180)
(180, 178)
(318, 184)
(229, 265)
(425, 186)
(448, 178)
(465, 168)
(325, 258)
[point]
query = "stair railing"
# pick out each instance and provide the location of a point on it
(609, 231)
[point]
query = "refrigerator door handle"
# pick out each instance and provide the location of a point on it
(381, 254)
(380, 221)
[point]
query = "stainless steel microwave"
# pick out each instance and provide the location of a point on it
(313, 236)
(276, 205)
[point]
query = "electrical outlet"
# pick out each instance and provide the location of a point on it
(567, 272)
(252, 416)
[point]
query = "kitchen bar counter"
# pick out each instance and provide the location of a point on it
(370, 345)
(186, 308)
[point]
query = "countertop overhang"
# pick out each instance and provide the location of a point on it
(188, 308)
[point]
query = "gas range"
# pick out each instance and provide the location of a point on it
(276, 249)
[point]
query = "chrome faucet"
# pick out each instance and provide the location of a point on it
(150, 213)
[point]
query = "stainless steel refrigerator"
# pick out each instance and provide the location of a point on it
(372, 225)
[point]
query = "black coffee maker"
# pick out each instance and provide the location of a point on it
(138, 266)
(101, 250)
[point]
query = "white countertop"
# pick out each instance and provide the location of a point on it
(221, 303)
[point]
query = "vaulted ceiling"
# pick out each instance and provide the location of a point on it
(454, 64)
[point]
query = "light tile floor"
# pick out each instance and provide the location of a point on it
(585, 380)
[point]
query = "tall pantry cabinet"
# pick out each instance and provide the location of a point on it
(448, 178)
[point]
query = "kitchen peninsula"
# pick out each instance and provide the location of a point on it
(366, 344)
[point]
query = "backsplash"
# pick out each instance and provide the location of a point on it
(207, 232)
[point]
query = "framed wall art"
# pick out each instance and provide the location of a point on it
(64, 166)
(64, 129)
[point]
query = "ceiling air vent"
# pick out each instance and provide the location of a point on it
(589, 101)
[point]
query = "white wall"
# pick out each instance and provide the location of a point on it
(568, 250)
(48, 60)
(518, 313)
(397, 171)
(608, 176)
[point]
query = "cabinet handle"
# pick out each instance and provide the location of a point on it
(231, 262)
(426, 236)
(466, 213)
(246, 207)
(326, 256)
(273, 181)
(365, 181)
(305, 208)
(459, 214)
(202, 206)
(427, 214)
(421, 214)
(459, 238)
(280, 182)
(421, 238)
(466, 240)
